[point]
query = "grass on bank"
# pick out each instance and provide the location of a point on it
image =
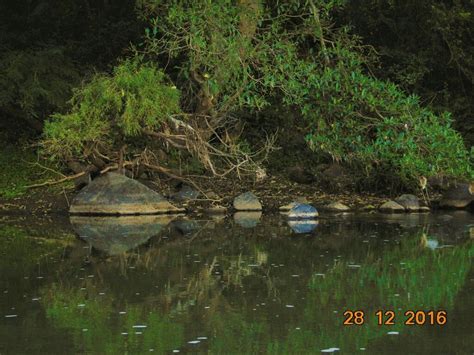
(21, 168)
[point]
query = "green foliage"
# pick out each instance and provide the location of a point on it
(289, 52)
(34, 82)
(426, 47)
(376, 128)
(109, 109)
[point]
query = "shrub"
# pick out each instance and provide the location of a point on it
(373, 126)
(111, 109)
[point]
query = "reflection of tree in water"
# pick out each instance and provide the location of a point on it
(409, 277)
(23, 253)
(96, 326)
(89, 310)
(228, 273)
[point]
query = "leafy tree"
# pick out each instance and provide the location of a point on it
(231, 57)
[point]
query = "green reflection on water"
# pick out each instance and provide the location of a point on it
(408, 277)
(209, 286)
(96, 326)
(22, 252)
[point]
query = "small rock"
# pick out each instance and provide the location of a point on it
(218, 209)
(458, 197)
(337, 206)
(247, 219)
(213, 196)
(247, 202)
(392, 206)
(287, 207)
(187, 193)
(409, 202)
(302, 211)
(336, 177)
(300, 175)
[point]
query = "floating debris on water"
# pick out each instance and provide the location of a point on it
(393, 333)
(194, 342)
(202, 338)
(330, 350)
(81, 305)
(353, 266)
(139, 326)
(289, 306)
(11, 316)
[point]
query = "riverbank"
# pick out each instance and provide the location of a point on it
(273, 193)
(22, 169)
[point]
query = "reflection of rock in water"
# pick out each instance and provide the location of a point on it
(303, 226)
(116, 235)
(430, 243)
(247, 219)
(186, 226)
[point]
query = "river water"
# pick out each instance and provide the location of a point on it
(238, 285)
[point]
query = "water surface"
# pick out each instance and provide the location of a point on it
(248, 284)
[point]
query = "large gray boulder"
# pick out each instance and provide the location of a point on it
(459, 196)
(116, 194)
(409, 202)
(247, 202)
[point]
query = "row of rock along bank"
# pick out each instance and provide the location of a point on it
(116, 194)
